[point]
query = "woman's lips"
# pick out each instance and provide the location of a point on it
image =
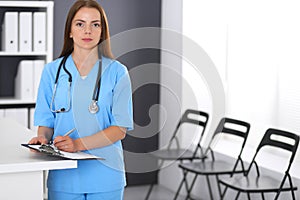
(87, 39)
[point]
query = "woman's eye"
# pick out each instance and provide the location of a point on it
(79, 24)
(97, 25)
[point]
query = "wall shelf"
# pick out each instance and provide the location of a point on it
(10, 60)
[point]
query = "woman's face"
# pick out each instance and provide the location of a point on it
(86, 29)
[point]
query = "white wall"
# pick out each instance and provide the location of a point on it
(255, 45)
(170, 96)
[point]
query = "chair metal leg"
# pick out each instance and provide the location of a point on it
(149, 191)
(209, 188)
(152, 185)
(293, 194)
(181, 183)
(222, 195)
(178, 190)
(248, 195)
(219, 186)
(189, 189)
(262, 196)
(291, 186)
(187, 198)
(237, 195)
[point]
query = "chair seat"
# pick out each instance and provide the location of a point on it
(210, 167)
(254, 184)
(174, 154)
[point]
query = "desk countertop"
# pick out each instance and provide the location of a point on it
(15, 158)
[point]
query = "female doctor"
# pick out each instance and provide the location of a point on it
(85, 89)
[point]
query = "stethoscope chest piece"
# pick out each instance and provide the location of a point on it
(93, 107)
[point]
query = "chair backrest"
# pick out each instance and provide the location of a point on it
(279, 139)
(191, 116)
(231, 126)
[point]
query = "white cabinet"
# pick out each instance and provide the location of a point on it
(34, 43)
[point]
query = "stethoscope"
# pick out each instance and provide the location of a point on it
(93, 107)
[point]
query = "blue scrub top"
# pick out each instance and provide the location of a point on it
(115, 109)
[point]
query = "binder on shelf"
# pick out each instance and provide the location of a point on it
(1, 113)
(38, 66)
(32, 127)
(24, 80)
(17, 114)
(39, 31)
(25, 31)
(10, 32)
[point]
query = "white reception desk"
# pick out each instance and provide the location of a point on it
(21, 171)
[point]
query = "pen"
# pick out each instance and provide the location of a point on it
(69, 132)
(66, 134)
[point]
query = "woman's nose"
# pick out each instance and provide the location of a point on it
(87, 29)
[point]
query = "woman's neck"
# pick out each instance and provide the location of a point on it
(85, 61)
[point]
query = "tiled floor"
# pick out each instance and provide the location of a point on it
(158, 193)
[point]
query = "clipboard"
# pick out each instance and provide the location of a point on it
(50, 150)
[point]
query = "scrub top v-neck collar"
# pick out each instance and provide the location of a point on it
(74, 69)
(82, 95)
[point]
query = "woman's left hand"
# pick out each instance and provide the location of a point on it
(65, 143)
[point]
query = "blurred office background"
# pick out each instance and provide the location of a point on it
(254, 46)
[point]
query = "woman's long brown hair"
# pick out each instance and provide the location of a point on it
(104, 43)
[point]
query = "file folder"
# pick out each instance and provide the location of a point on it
(39, 31)
(24, 80)
(25, 31)
(52, 151)
(38, 66)
(10, 32)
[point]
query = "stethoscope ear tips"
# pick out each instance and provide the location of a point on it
(62, 110)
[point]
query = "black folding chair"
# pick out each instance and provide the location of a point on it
(213, 166)
(190, 116)
(261, 183)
